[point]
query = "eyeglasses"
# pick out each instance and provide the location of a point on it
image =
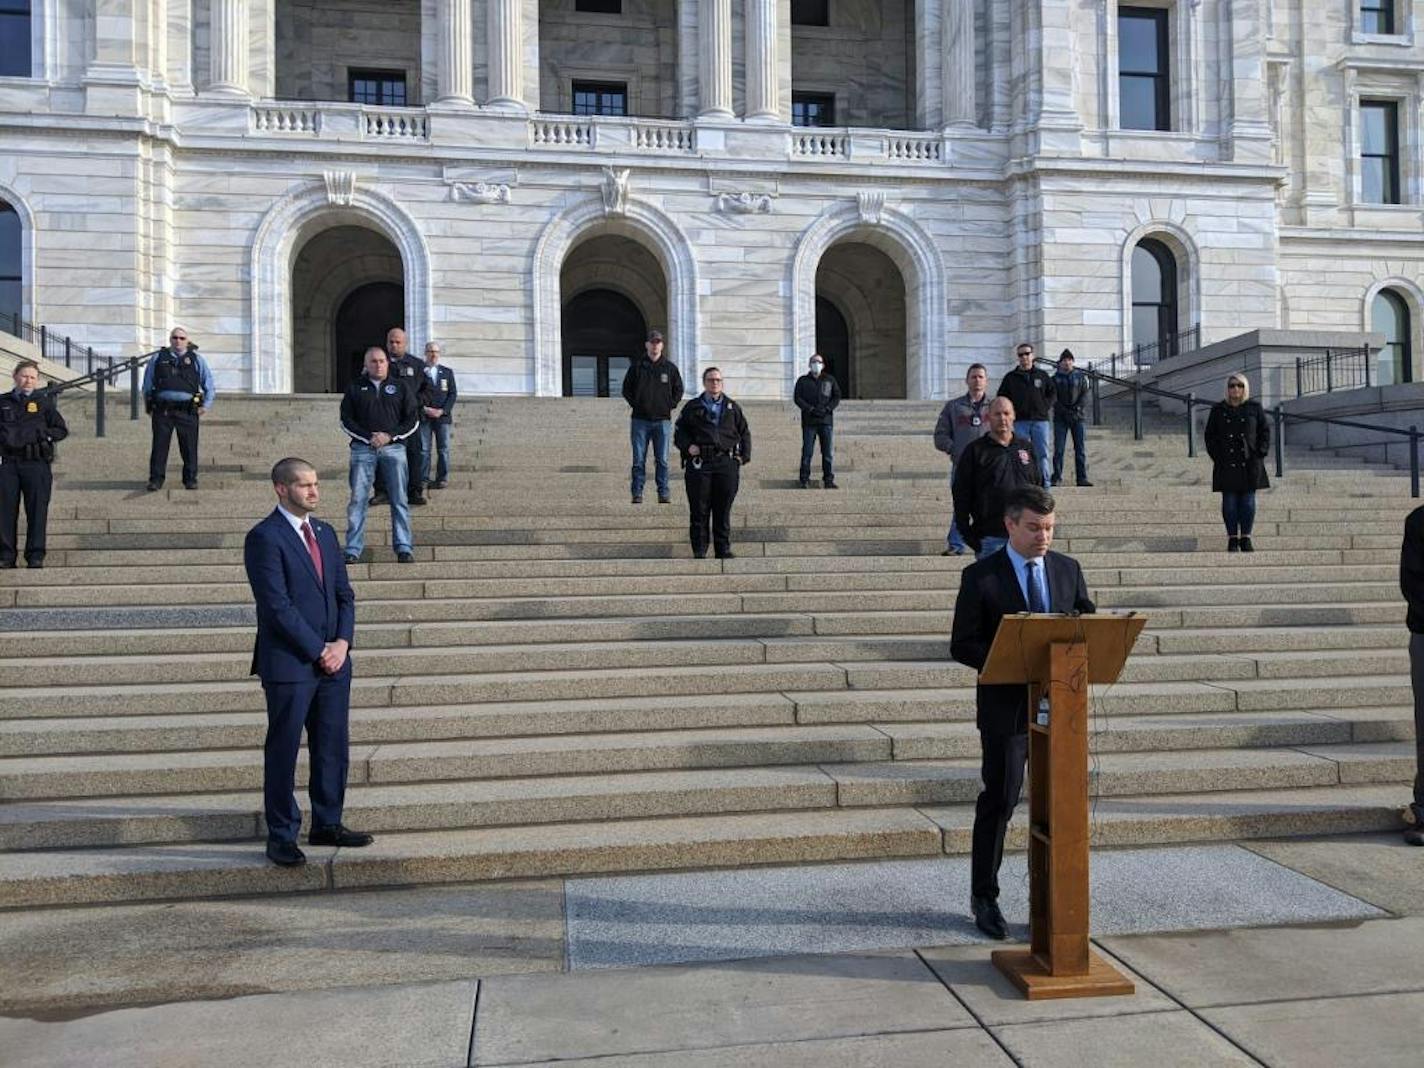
(177, 337)
(1236, 385)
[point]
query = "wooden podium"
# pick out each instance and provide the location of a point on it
(1059, 656)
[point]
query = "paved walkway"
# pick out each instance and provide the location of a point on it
(1335, 992)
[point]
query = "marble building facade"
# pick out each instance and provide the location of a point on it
(285, 176)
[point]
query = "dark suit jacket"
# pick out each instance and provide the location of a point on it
(443, 393)
(989, 591)
(296, 614)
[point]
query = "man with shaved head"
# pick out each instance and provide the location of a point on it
(378, 415)
(989, 469)
(408, 371)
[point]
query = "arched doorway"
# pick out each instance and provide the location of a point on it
(613, 291)
(347, 290)
(362, 321)
(1154, 296)
(1389, 315)
(833, 342)
(11, 268)
(862, 287)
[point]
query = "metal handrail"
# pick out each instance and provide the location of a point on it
(52, 346)
(1278, 415)
(107, 375)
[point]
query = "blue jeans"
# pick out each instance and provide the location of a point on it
(953, 540)
(1238, 512)
(989, 546)
(1061, 430)
(390, 463)
(660, 432)
(809, 436)
(440, 432)
(1036, 430)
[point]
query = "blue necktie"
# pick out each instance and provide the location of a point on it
(1035, 592)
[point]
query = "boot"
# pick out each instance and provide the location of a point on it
(1233, 544)
(1246, 546)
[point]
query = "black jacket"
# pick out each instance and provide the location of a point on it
(1032, 393)
(695, 427)
(442, 392)
(983, 476)
(1411, 570)
(1238, 440)
(385, 408)
(988, 591)
(817, 398)
(651, 389)
(1070, 396)
(409, 371)
(29, 426)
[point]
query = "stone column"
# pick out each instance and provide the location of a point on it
(228, 47)
(958, 74)
(506, 53)
(715, 68)
(455, 76)
(763, 69)
(1248, 130)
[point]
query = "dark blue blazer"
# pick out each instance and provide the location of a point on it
(444, 392)
(296, 614)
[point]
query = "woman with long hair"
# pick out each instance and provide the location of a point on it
(1238, 440)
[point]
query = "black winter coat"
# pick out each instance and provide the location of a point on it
(652, 389)
(817, 398)
(1238, 440)
(729, 435)
(1032, 392)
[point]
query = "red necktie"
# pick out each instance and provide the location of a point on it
(314, 551)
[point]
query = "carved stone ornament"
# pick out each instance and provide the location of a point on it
(340, 187)
(745, 203)
(615, 191)
(871, 207)
(481, 192)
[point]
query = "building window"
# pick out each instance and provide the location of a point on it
(1154, 296)
(1144, 76)
(600, 7)
(1379, 152)
(383, 88)
(15, 39)
(813, 109)
(1389, 315)
(9, 268)
(600, 98)
(1377, 17)
(810, 12)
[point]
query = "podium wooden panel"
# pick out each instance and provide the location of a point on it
(1059, 656)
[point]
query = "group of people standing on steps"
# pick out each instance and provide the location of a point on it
(997, 445)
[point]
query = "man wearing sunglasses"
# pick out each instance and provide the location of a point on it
(177, 391)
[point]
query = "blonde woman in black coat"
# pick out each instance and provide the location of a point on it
(1238, 439)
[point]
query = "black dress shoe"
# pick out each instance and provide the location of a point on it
(339, 835)
(35, 563)
(637, 500)
(153, 486)
(439, 485)
(405, 558)
(665, 500)
(696, 556)
(728, 555)
(417, 502)
(988, 918)
(285, 854)
(1233, 545)
(829, 483)
(1086, 483)
(1246, 546)
(190, 485)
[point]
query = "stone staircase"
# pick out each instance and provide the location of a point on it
(556, 687)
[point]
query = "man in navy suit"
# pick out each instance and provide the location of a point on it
(1023, 576)
(306, 618)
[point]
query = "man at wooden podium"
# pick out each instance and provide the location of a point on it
(1022, 577)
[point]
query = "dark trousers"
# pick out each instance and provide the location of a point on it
(165, 422)
(415, 464)
(809, 436)
(321, 706)
(711, 489)
(1061, 429)
(1003, 774)
(28, 481)
(1416, 676)
(1238, 512)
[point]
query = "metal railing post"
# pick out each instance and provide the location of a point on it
(1136, 412)
(1280, 418)
(99, 407)
(1368, 383)
(133, 391)
(1414, 461)
(1299, 379)
(1191, 430)
(1096, 383)
(1112, 360)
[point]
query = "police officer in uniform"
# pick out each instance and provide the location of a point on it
(408, 369)
(715, 444)
(177, 392)
(30, 424)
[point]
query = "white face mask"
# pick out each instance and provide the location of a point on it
(817, 367)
